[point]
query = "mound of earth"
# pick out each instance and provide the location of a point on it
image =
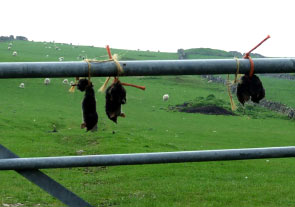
(204, 105)
(211, 110)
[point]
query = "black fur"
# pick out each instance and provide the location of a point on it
(250, 88)
(115, 96)
(90, 116)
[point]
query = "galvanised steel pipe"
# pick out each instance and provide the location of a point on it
(145, 158)
(144, 68)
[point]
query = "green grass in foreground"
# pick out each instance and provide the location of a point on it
(27, 117)
(26, 123)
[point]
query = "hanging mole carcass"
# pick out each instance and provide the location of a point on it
(115, 97)
(250, 87)
(90, 116)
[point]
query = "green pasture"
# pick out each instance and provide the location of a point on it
(28, 116)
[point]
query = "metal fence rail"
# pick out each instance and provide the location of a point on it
(145, 158)
(144, 68)
(46, 183)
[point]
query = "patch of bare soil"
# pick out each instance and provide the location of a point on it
(211, 110)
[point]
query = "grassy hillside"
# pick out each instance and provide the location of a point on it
(27, 117)
(45, 51)
(208, 53)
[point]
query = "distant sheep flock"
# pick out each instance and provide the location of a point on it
(47, 81)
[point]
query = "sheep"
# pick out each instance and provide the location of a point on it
(14, 53)
(65, 81)
(61, 58)
(9, 48)
(47, 81)
(22, 85)
(165, 97)
(72, 83)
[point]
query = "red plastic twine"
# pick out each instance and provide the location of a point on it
(116, 78)
(247, 56)
(132, 85)
(109, 52)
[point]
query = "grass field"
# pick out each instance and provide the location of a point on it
(27, 117)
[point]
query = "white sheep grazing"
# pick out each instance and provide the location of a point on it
(72, 83)
(46, 81)
(65, 81)
(61, 58)
(9, 48)
(165, 97)
(14, 53)
(22, 85)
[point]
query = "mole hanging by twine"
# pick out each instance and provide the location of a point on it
(250, 85)
(90, 116)
(115, 94)
(115, 97)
